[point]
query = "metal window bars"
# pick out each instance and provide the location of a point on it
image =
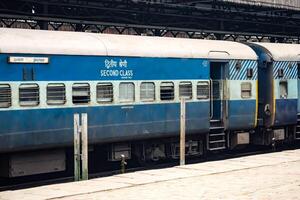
(81, 93)
(186, 90)
(56, 94)
(202, 90)
(167, 91)
(29, 95)
(5, 96)
(105, 92)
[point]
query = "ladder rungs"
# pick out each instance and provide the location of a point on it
(215, 120)
(216, 127)
(217, 148)
(217, 134)
(216, 141)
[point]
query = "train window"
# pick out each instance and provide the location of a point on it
(202, 90)
(29, 95)
(186, 90)
(105, 92)
(246, 90)
(167, 91)
(56, 94)
(81, 93)
(147, 91)
(283, 87)
(126, 92)
(5, 96)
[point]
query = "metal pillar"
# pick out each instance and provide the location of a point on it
(80, 147)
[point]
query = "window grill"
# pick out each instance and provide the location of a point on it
(246, 90)
(186, 90)
(56, 94)
(126, 92)
(202, 90)
(105, 92)
(167, 91)
(29, 95)
(5, 96)
(147, 91)
(81, 93)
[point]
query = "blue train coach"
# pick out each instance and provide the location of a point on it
(278, 91)
(130, 87)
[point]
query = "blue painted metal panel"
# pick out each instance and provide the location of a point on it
(41, 128)
(286, 112)
(75, 68)
(241, 114)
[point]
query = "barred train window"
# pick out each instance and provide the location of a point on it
(5, 96)
(167, 91)
(202, 90)
(126, 92)
(105, 92)
(147, 91)
(29, 95)
(186, 90)
(81, 93)
(283, 86)
(56, 94)
(246, 90)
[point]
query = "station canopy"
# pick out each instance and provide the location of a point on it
(285, 4)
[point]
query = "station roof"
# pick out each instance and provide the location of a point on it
(283, 4)
(282, 52)
(76, 43)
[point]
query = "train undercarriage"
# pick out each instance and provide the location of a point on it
(107, 157)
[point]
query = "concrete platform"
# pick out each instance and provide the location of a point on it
(267, 176)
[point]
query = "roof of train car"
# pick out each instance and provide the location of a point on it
(282, 52)
(75, 43)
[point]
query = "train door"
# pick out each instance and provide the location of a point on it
(217, 77)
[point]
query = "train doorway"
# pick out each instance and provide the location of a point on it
(217, 76)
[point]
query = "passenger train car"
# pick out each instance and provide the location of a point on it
(278, 90)
(130, 87)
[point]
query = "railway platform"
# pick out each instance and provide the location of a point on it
(264, 176)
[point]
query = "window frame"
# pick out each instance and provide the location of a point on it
(247, 90)
(208, 89)
(62, 102)
(182, 83)
(147, 91)
(286, 88)
(160, 89)
(89, 93)
(133, 94)
(103, 101)
(21, 102)
(9, 97)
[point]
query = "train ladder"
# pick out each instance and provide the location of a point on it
(216, 138)
(297, 134)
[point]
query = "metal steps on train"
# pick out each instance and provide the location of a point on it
(216, 137)
(297, 134)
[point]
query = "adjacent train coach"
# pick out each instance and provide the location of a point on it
(278, 90)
